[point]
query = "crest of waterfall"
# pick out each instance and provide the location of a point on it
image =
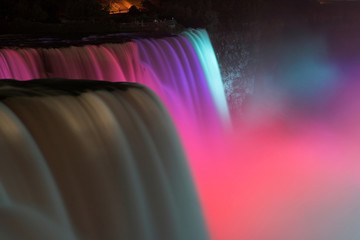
(182, 70)
(92, 160)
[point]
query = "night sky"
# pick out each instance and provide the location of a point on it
(211, 14)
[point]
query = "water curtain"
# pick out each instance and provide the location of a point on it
(181, 69)
(92, 160)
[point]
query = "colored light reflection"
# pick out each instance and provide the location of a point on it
(203, 47)
(290, 167)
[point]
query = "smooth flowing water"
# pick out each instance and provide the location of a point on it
(182, 71)
(288, 169)
(173, 67)
(90, 160)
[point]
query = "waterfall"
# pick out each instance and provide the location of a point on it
(101, 159)
(180, 69)
(173, 67)
(201, 42)
(92, 160)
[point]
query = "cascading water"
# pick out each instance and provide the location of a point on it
(288, 170)
(173, 67)
(170, 66)
(91, 160)
(201, 42)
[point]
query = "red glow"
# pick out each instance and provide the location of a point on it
(287, 176)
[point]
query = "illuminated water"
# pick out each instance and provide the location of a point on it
(288, 169)
(200, 40)
(157, 63)
(171, 66)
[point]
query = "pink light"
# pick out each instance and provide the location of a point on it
(283, 172)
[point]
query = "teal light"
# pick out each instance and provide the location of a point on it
(200, 40)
